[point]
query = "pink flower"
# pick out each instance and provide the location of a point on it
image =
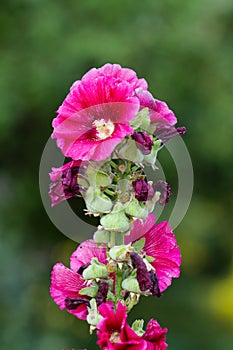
(66, 283)
(64, 182)
(161, 245)
(95, 116)
(159, 110)
(115, 334)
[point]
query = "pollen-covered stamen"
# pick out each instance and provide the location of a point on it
(72, 304)
(155, 287)
(102, 293)
(103, 129)
(115, 337)
(143, 276)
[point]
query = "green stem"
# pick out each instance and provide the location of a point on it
(112, 239)
(132, 303)
(119, 238)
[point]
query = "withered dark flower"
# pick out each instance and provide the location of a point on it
(143, 275)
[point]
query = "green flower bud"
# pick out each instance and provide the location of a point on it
(101, 236)
(95, 270)
(130, 151)
(131, 285)
(96, 201)
(136, 209)
(120, 252)
(142, 120)
(116, 220)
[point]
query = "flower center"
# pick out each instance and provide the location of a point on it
(115, 337)
(103, 129)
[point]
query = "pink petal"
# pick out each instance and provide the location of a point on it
(162, 114)
(85, 252)
(66, 283)
(140, 227)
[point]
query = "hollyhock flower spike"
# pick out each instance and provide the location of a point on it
(160, 244)
(114, 333)
(66, 283)
(96, 114)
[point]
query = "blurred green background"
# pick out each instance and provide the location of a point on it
(184, 50)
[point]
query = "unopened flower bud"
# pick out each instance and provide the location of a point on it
(143, 142)
(131, 285)
(120, 252)
(101, 236)
(142, 190)
(130, 152)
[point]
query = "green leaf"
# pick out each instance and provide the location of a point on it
(138, 245)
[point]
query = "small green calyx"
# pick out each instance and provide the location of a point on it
(96, 201)
(150, 159)
(116, 221)
(120, 252)
(101, 236)
(130, 151)
(139, 245)
(89, 291)
(131, 285)
(136, 209)
(142, 120)
(95, 270)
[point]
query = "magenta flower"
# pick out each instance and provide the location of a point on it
(66, 283)
(95, 116)
(161, 245)
(114, 333)
(159, 110)
(64, 183)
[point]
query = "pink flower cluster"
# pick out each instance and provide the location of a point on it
(109, 125)
(96, 114)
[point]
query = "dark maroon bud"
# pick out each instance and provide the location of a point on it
(69, 182)
(166, 132)
(155, 287)
(82, 268)
(102, 293)
(142, 190)
(143, 142)
(143, 276)
(165, 191)
(72, 304)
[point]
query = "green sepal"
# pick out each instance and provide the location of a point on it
(116, 220)
(89, 291)
(142, 120)
(95, 270)
(131, 285)
(98, 177)
(137, 326)
(111, 296)
(138, 245)
(96, 201)
(136, 209)
(130, 151)
(119, 253)
(101, 236)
